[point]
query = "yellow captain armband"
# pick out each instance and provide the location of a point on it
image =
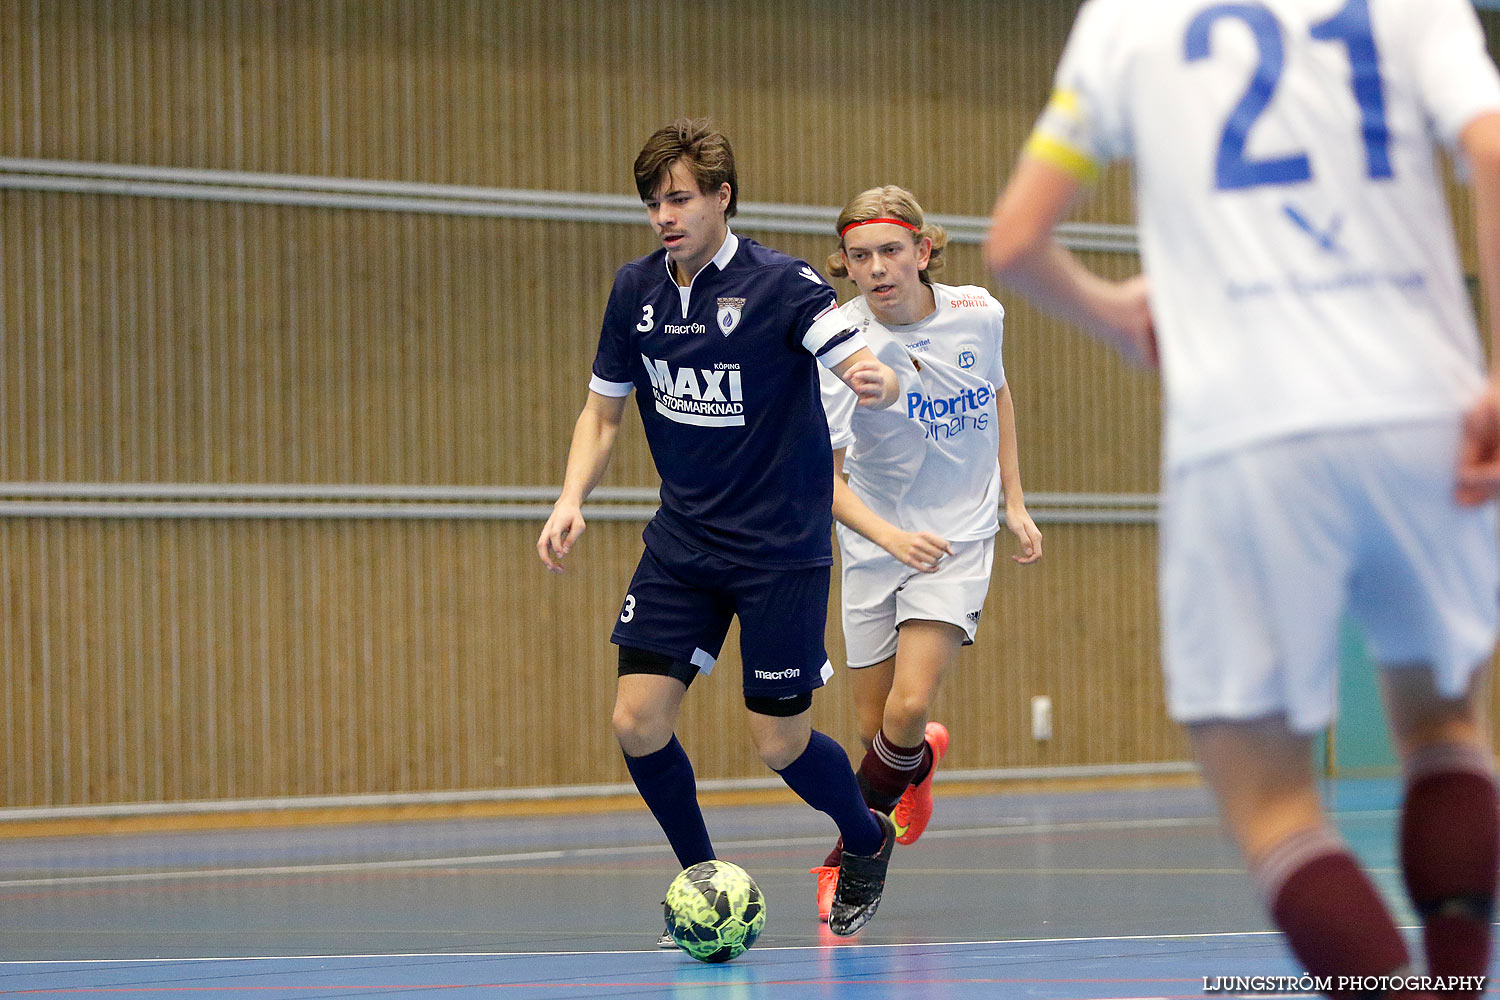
(1060, 138)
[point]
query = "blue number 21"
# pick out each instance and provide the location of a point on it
(1351, 25)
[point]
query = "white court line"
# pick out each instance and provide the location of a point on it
(1008, 830)
(1209, 935)
(460, 861)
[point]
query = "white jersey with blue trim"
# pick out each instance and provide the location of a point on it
(930, 462)
(724, 370)
(1302, 267)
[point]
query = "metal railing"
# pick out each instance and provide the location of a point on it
(505, 503)
(450, 199)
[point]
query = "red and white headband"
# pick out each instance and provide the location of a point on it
(867, 222)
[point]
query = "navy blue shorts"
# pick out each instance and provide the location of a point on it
(681, 600)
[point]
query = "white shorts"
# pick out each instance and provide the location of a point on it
(879, 593)
(1263, 552)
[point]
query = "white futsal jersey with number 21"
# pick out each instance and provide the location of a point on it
(1302, 276)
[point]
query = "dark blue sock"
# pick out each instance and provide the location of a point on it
(824, 779)
(665, 780)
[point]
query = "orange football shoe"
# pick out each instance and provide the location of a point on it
(828, 880)
(915, 808)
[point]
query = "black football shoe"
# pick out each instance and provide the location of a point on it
(861, 882)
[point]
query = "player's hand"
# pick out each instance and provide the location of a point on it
(1027, 533)
(921, 550)
(874, 382)
(1479, 450)
(559, 534)
(1131, 330)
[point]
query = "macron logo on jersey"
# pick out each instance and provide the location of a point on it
(699, 396)
(811, 275)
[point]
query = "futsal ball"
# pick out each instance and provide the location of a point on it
(714, 911)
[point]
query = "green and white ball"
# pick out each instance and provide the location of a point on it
(714, 911)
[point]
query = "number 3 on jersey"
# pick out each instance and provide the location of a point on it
(1351, 25)
(628, 612)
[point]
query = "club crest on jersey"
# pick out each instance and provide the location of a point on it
(966, 359)
(729, 314)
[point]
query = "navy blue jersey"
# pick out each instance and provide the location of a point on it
(726, 379)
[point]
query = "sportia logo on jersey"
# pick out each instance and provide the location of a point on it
(945, 416)
(701, 396)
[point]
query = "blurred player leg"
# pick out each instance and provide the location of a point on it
(1334, 920)
(1450, 819)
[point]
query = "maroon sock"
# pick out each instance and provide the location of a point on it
(924, 768)
(886, 771)
(1450, 854)
(835, 856)
(1329, 911)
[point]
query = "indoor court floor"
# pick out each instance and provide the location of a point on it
(1081, 894)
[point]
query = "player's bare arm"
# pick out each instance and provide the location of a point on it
(588, 456)
(1016, 518)
(1021, 252)
(921, 550)
(871, 380)
(1479, 459)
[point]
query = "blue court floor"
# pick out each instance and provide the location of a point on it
(1117, 894)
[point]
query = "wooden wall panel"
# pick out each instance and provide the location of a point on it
(531, 94)
(161, 340)
(158, 340)
(185, 341)
(168, 660)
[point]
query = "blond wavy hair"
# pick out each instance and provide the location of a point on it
(889, 202)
